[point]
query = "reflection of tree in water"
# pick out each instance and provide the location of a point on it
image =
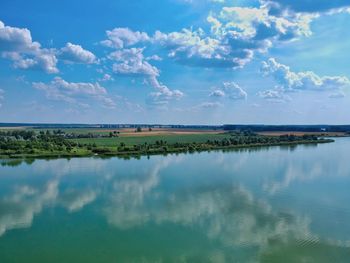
(11, 163)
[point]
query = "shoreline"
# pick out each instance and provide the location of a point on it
(136, 154)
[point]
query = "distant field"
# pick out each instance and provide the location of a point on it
(127, 142)
(151, 139)
(279, 133)
(131, 132)
(14, 128)
(130, 137)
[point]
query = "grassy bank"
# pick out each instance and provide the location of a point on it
(51, 144)
(110, 152)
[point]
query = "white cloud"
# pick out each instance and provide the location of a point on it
(76, 54)
(234, 91)
(155, 58)
(230, 90)
(259, 24)
(236, 34)
(14, 39)
(314, 6)
(274, 95)
(107, 77)
(74, 92)
(123, 37)
(132, 62)
(16, 44)
(194, 48)
(217, 93)
(163, 94)
(271, 94)
(308, 80)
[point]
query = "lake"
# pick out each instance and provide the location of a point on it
(272, 204)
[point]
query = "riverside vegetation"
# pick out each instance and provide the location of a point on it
(59, 143)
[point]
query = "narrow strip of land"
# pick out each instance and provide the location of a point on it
(40, 143)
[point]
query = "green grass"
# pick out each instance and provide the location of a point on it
(49, 145)
(44, 153)
(170, 139)
(100, 131)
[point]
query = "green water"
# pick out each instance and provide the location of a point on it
(277, 204)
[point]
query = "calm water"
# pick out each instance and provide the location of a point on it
(267, 205)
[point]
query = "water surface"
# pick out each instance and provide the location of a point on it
(277, 204)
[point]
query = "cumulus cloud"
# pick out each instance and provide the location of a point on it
(163, 94)
(131, 62)
(236, 34)
(155, 58)
(291, 81)
(74, 92)
(234, 91)
(217, 93)
(106, 77)
(271, 94)
(76, 54)
(258, 24)
(194, 48)
(17, 45)
(123, 37)
(230, 90)
(307, 6)
(274, 95)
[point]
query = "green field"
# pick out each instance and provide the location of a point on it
(41, 143)
(94, 131)
(170, 139)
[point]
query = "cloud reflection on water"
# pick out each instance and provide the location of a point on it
(132, 194)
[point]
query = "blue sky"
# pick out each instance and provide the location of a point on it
(175, 61)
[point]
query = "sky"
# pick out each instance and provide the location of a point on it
(175, 61)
